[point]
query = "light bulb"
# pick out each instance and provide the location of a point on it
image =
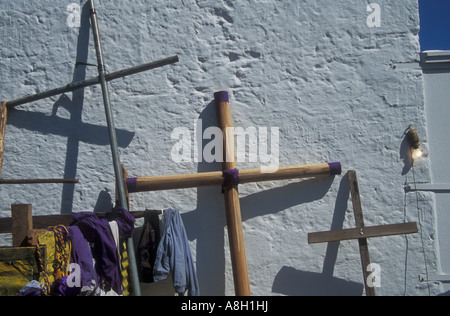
(416, 153)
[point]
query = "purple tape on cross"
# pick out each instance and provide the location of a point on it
(230, 178)
(335, 168)
(221, 96)
(131, 184)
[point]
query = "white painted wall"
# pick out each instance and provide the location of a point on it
(436, 65)
(337, 89)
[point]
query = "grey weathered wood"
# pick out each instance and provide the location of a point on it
(22, 222)
(366, 232)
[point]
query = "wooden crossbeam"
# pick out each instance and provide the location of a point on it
(37, 181)
(364, 232)
(43, 221)
(215, 178)
(3, 118)
(361, 232)
(92, 81)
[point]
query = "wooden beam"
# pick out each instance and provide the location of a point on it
(363, 232)
(215, 178)
(22, 222)
(124, 179)
(359, 221)
(92, 81)
(45, 221)
(3, 118)
(36, 181)
(232, 204)
(19, 253)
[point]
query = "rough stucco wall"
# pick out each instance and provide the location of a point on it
(337, 89)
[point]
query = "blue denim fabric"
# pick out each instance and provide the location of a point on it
(174, 255)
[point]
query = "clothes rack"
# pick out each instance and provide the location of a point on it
(22, 224)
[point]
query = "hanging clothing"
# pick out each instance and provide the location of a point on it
(81, 255)
(97, 230)
(58, 250)
(148, 245)
(174, 255)
(91, 242)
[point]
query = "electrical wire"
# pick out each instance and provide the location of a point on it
(419, 216)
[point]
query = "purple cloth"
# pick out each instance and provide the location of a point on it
(32, 292)
(61, 288)
(81, 255)
(124, 220)
(97, 230)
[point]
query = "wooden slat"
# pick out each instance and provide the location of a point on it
(365, 232)
(215, 178)
(359, 222)
(232, 204)
(22, 223)
(127, 194)
(45, 221)
(3, 118)
(356, 199)
(18, 253)
(36, 181)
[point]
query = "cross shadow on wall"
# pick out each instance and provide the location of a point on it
(206, 225)
(73, 127)
(291, 281)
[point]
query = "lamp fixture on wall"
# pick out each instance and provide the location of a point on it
(414, 143)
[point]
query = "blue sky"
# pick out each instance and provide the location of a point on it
(434, 24)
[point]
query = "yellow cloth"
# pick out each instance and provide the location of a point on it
(17, 268)
(124, 269)
(57, 259)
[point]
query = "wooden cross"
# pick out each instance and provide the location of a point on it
(230, 188)
(361, 232)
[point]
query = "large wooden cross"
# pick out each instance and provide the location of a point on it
(361, 232)
(230, 188)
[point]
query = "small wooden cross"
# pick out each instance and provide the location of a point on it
(361, 232)
(230, 188)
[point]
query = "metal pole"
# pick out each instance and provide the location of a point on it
(114, 146)
(92, 81)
